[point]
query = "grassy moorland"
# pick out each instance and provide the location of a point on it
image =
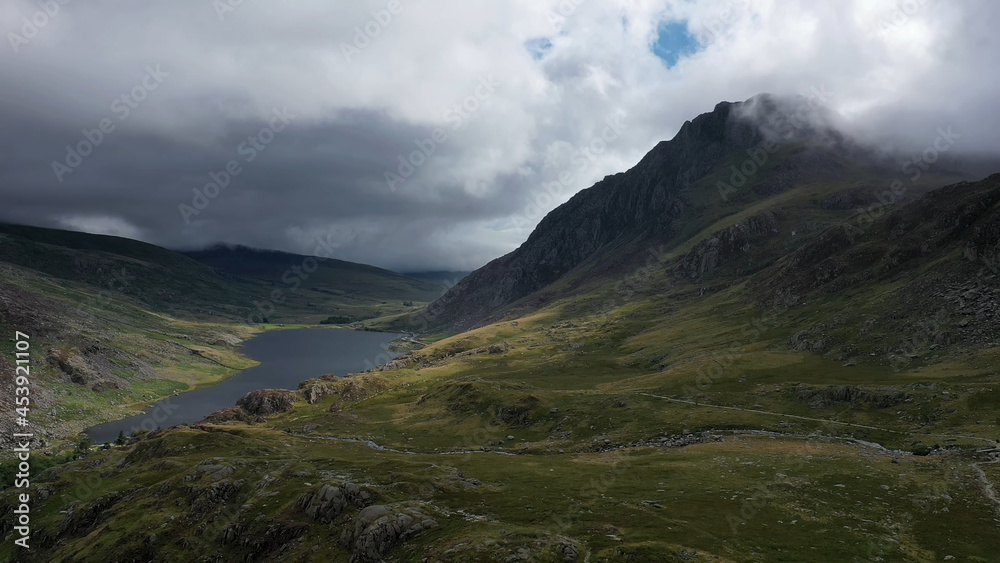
(827, 395)
(661, 430)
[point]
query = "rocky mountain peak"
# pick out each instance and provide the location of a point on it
(643, 203)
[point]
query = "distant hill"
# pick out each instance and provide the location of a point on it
(145, 274)
(238, 283)
(346, 278)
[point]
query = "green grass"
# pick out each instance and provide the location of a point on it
(561, 429)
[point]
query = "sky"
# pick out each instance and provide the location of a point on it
(419, 135)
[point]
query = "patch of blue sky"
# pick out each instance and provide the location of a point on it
(674, 41)
(538, 47)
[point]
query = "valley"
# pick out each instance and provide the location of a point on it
(800, 370)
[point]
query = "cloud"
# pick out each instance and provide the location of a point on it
(370, 82)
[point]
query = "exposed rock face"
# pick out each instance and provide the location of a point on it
(378, 528)
(216, 471)
(642, 204)
(739, 246)
(81, 519)
(315, 389)
(330, 501)
(518, 414)
(375, 529)
(569, 552)
(225, 339)
(878, 398)
(399, 363)
(227, 415)
(358, 388)
(254, 405)
(268, 401)
(90, 366)
(950, 236)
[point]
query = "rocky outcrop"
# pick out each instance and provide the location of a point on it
(374, 530)
(254, 406)
(379, 528)
(498, 348)
(330, 501)
(228, 415)
(457, 479)
(81, 519)
(215, 471)
(313, 390)
(738, 249)
(937, 259)
(399, 363)
(877, 398)
(518, 414)
(91, 367)
(268, 401)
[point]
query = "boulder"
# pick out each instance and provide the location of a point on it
(330, 501)
(379, 528)
(267, 401)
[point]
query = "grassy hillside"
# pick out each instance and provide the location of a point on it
(795, 412)
(234, 286)
(117, 324)
(356, 281)
(99, 356)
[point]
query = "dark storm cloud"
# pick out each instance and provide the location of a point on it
(172, 191)
(171, 95)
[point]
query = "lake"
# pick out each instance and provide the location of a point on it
(287, 357)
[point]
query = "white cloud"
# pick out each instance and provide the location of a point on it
(931, 68)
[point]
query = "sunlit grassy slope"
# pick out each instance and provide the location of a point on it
(673, 427)
(643, 414)
(117, 324)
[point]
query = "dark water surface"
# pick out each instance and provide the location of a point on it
(287, 357)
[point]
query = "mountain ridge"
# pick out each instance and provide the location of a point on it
(752, 150)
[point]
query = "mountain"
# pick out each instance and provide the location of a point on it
(155, 277)
(724, 169)
(221, 283)
(673, 367)
(346, 278)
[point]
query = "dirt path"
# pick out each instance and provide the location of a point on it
(378, 447)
